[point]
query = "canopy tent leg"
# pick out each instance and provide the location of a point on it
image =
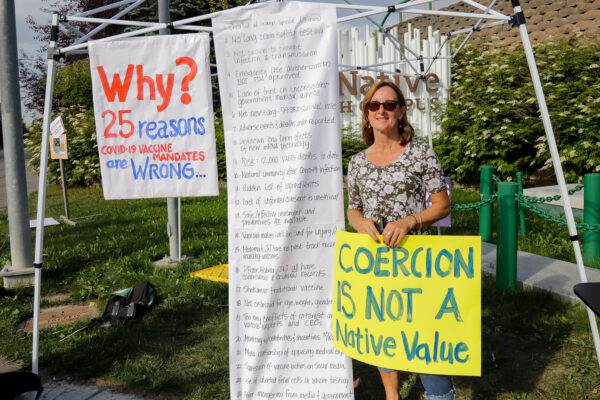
(519, 19)
(41, 203)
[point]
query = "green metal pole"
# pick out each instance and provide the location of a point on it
(591, 215)
(506, 254)
(521, 212)
(486, 188)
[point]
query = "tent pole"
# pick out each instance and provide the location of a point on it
(428, 112)
(41, 203)
(519, 19)
(427, 99)
(173, 203)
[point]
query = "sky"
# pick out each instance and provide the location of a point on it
(26, 42)
(32, 7)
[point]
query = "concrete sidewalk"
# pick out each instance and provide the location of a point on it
(549, 274)
(63, 390)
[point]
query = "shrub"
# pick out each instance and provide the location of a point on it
(493, 119)
(83, 166)
(352, 143)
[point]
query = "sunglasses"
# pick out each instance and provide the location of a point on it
(387, 106)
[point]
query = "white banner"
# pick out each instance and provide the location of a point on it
(278, 79)
(154, 116)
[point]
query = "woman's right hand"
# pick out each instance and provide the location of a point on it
(362, 224)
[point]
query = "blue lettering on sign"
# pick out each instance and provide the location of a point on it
(175, 170)
(459, 262)
(386, 306)
(366, 262)
(413, 262)
(438, 261)
(449, 306)
(399, 262)
(442, 350)
(370, 260)
(178, 127)
(364, 343)
(122, 164)
(344, 246)
(380, 259)
(342, 286)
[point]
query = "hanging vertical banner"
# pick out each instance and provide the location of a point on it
(154, 116)
(277, 66)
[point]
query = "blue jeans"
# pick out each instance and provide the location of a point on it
(437, 387)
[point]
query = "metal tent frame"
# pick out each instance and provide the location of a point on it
(363, 11)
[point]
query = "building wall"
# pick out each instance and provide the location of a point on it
(545, 19)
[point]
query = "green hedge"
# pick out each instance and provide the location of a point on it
(493, 119)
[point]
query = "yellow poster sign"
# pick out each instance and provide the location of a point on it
(415, 307)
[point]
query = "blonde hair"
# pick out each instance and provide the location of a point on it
(404, 127)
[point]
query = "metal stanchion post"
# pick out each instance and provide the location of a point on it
(486, 188)
(591, 216)
(521, 212)
(506, 255)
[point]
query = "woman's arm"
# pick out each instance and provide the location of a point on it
(395, 231)
(439, 208)
(362, 224)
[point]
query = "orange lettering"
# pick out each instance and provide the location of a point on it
(116, 88)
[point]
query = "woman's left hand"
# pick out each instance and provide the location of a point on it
(395, 231)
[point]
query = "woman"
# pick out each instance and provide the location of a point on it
(388, 182)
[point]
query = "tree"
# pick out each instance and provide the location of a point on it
(33, 74)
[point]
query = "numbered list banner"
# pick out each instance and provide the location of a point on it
(277, 66)
(154, 116)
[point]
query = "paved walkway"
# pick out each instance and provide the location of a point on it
(541, 272)
(61, 390)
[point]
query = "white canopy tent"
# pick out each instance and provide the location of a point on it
(482, 16)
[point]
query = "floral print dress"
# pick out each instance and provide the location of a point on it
(398, 189)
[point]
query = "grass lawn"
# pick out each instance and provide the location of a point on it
(535, 346)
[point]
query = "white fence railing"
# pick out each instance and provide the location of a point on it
(377, 49)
